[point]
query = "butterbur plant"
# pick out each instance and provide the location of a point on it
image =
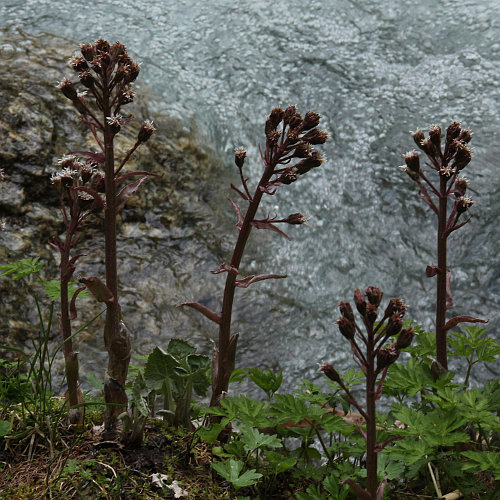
(374, 357)
(288, 155)
(448, 199)
(107, 73)
(76, 207)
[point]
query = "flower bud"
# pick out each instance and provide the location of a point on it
(311, 120)
(88, 51)
(288, 176)
(452, 132)
(68, 89)
(465, 136)
(273, 138)
(461, 186)
(303, 150)
(463, 204)
(102, 46)
(146, 131)
(315, 136)
(395, 306)
(346, 311)
(87, 79)
(315, 160)
(288, 114)
(412, 162)
(374, 295)
(428, 147)
(275, 117)
(78, 63)
(386, 357)
(418, 137)
(330, 372)
(346, 328)
(463, 155)
(359, 300)
(132, 72)
(295, 121)
(405, 338)
(239, 157)
(117, 49)
(127, 96)
(296, 219)
(115, 123)
(435, 136)
(394, 325)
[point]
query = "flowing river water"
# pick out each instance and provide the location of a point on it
(374, 70)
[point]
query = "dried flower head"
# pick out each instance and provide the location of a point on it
(146, 131)
(68, 89)
(239, 156)
(464, 203)
(64, 176)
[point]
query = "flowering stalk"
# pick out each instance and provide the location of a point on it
(448, 164)
(289, 138)
(374, 360)
(76, 207)
(107, 72)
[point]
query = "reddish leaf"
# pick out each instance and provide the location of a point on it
(97, 157)
(126, 176)
(246, 282)
(72, 306)
(204, 310)
(98, 289)
(127, 192)
(260, 224)
(239, 216)
(360, 492)
(431, 271)
(241, 193)
(224, 268)
(462, 319)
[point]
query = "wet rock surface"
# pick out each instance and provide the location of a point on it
(166, 231)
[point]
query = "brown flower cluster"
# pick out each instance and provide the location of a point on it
(289, 136)
(448, 162)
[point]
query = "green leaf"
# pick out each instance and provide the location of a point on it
(278, 463)
(180, 348)
(53, 289)
(4, 427)
(210, 434)
(244, 410)
(230, 471)
(288, 407)
(22, 268)
(253, 439)
(268, 381)
(160, 367)
(138, 401)
(483, 461)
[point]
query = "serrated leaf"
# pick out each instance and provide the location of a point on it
(252, 439)
(230, 471)
(21, 268)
